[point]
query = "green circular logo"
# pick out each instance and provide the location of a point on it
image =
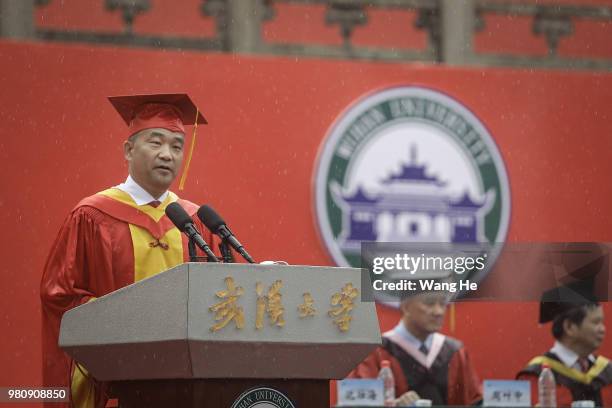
(409, 164)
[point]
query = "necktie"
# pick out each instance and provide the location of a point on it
(154, 203)
(423, 349)
(584, 364)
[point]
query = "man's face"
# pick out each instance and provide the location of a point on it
(424, 312)
(154, 158)
(590, 333)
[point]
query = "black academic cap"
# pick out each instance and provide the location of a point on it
(564, 298)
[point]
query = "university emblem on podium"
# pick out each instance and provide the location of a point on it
(409, 164)
(262, 397)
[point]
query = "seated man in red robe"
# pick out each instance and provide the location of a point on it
(425, 364)
(578, 329)
(120, 235)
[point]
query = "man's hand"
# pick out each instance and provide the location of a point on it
(407, 399)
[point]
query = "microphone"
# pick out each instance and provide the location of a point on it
(216, 225)
(184, 223)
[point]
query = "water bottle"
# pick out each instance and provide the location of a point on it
(547, 388)
(386, 375)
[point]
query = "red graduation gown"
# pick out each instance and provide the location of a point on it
(572, 385)
(446, 375)
(105, 243)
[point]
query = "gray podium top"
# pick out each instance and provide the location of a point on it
(162, 327)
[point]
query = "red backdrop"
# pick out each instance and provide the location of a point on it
(60, 140)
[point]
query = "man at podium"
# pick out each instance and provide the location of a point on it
(120, 235)
(425, 364)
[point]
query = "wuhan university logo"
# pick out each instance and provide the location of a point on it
(262, 397)
(409, 164)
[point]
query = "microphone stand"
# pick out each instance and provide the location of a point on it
(226, 252)
(193, 257)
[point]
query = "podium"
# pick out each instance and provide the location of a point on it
(205, 334)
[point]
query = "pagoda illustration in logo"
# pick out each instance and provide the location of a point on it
(411, 206)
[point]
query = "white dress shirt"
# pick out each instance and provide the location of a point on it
(139, 194)
(405, 334)
(567, 356)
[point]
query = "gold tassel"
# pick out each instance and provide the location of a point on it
(190, 154)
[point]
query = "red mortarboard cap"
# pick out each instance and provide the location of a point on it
(565, 298)
(166, 111)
